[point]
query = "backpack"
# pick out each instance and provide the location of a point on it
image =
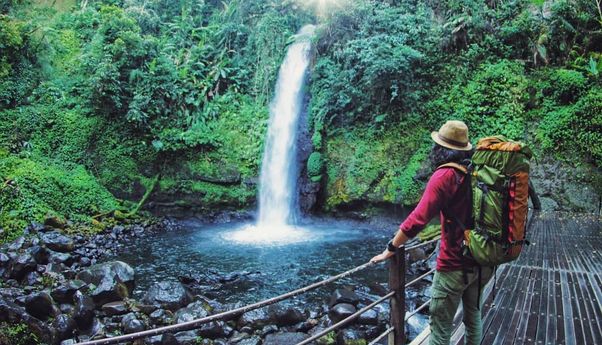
(499, 179)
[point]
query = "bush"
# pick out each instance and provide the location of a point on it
(566, 85)
(33, 189)
(575, 130)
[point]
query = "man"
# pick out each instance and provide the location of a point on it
(457, 277)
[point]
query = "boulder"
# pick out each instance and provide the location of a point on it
(131, 324)
(113, 281)
(61, 258)
(340, 311)
(343, 296)
(115, 308)
(17, 244)
(40, 305)
(64, 293)
(195, 310)
(83, 311)
(64, 326)
(54, 222)
(215, 329)
(39, 254)
(169, 295)
(286, 315)
(22, 265)
(187, 338)
(57, 241)
(254, 340)
(256, 319)
(161, 316)
(32, 278)
(12, 313)
(369, 317)
(286, 338)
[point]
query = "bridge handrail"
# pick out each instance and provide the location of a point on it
(241, 310)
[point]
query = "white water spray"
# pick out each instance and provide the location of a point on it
(277, 194)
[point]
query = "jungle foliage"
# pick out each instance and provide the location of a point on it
(100, 99)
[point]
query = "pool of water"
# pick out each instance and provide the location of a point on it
(276, 264)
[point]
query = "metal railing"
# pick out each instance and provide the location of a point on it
(397, 286)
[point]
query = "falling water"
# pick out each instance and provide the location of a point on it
(277, 194)
(278, 170)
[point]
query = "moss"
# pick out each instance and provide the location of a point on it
(34, 188)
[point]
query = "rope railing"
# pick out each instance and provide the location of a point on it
(400, 257)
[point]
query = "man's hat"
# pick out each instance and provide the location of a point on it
(453, 135)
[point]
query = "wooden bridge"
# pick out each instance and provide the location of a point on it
(552, 295)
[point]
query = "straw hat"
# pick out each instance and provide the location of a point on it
(453, 135)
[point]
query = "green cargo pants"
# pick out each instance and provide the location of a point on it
(448, 290)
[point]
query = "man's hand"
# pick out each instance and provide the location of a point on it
(382, 256)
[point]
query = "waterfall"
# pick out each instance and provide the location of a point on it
(277, 189)
(279, 171)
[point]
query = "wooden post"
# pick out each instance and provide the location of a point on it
(397, 282)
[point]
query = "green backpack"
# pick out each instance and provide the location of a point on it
(500, 190)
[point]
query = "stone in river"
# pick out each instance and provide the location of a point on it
(344, 296)
(169, 295)
(286, 338)
(341, 311)
(114, 280)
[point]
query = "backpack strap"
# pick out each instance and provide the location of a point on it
(457, 166)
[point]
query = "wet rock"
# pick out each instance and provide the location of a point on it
(85, 262)
(186, 338)
(285, 315)
(21, 265)
(60, 258)
(114, 281)
(57, 241)
(416, 324)
(69, 342)
(269, 329)
(83, 312)
(64, 293)
(344, 296)
(40, 305)
(254, 340)
(195, 310)
(17, 244)
(64, 326)
(115, 308)
(32, 278)
(286, 338)
(215, 329)
(131, 324)
(39, 254)
(255, 319)
(348, 337)
(66, 308)
(169, 295)
(369, 317)
(12, 313)
(340, 311)
(161, 316)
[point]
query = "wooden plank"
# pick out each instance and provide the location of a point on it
(569, 326)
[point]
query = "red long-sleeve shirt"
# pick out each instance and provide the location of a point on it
(441, 193)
